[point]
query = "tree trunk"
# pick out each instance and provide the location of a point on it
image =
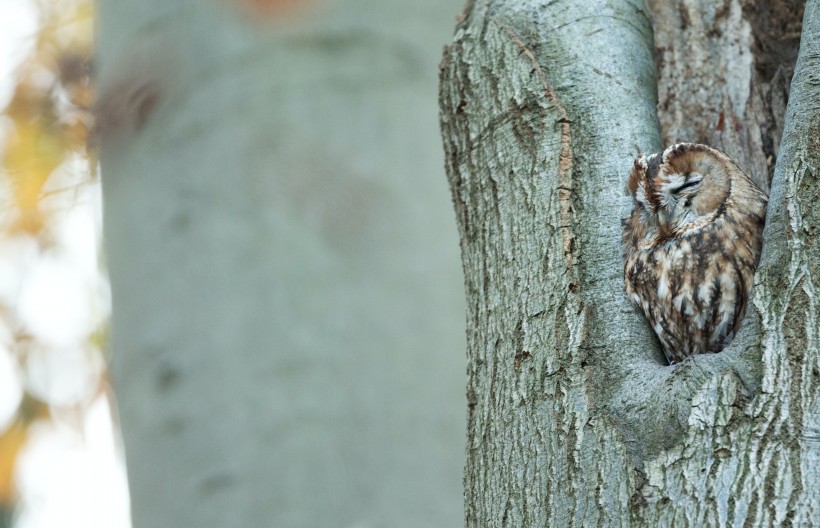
(287, 304)
(574, 418)
(723, 75)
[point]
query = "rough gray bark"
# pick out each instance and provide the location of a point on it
(287, 303)
(787, 413)
(574, 419)
(723, 74)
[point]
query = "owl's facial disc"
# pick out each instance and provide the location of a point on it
(677, 198)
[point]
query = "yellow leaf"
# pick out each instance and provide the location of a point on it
(11, 441)
(32, 152)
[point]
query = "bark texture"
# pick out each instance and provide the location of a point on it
(786, 440)
(723, 74)
(287, 303)
(573, 417)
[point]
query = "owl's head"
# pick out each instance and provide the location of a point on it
(680, 188)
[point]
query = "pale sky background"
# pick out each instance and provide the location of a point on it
(71, 472)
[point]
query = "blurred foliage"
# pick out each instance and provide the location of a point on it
(46, 123)
(11, 441)
(50, 111)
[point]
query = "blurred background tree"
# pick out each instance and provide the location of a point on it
(288, 307)
(287, 340)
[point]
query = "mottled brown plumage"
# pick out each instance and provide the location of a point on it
(692, 242)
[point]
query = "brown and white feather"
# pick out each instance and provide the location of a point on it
(692, 244)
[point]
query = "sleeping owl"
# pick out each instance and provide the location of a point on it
(692, 243)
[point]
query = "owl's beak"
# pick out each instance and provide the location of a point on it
(662, 216)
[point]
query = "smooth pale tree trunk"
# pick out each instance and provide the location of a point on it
(287, 336)
(574, 418)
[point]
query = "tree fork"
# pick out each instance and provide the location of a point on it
(573, 416)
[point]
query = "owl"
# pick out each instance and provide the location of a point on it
(692, 243)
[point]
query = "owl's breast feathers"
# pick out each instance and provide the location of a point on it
(693, 289)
